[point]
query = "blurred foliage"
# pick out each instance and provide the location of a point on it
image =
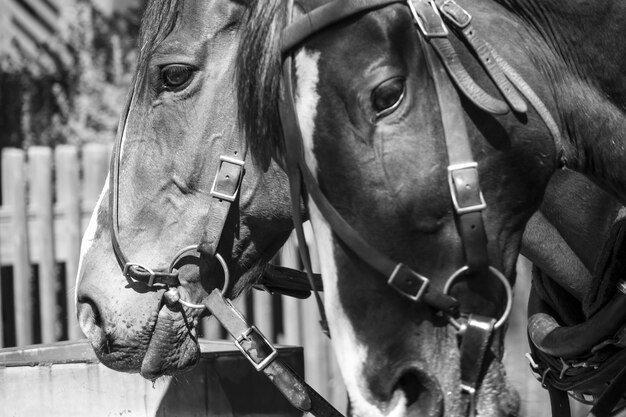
(73, 97)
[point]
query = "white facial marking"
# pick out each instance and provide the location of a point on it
(307, 75)
(351, 354)
(89, 235)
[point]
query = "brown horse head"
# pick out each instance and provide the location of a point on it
(180, 121)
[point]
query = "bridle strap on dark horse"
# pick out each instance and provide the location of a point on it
(468, 201)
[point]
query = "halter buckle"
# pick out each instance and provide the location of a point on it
(456, 14)
(464, 188)
(260, 344)
(428, 19)
(127, 272)
(227, 195)
(408, 283)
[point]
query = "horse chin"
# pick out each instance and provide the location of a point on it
(173, 347)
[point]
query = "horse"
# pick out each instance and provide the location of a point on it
(383, 207)
(157, 198)
(120, 319)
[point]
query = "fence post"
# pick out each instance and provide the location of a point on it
(68, 202)
(42, 242)
(263, 313)
(14, 184)
(291, 318)
(95, 166)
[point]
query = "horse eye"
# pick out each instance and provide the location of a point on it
(387, 96)
(175, 76)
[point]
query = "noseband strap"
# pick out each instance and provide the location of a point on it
(229, 170)
(132, 270)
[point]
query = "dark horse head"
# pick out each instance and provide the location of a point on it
(181, 119)
(373, 139)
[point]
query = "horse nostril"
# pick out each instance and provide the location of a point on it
(422, 392)
(89, 319)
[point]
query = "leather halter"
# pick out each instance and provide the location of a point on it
(229, 169)
(468, 202)
(253, 344)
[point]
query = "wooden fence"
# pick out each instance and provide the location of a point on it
(47, 199)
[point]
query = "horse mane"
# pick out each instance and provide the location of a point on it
(157, 23)
(258, 71)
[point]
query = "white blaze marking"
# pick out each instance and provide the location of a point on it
(89, 235)
(351, 354)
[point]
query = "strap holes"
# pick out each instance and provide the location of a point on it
(473, 227)
(467, 186)
(227, 176)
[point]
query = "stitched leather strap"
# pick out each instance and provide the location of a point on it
(461, 20)
(475, 358)
(263, 356)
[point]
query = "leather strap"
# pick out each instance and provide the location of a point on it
(464, 81)
(559, 402)
(287, 281)
(225, 191)
(320, 18)
(475, 358)
(264, 357)
(293, 150)
(610, 397)
(537, 104)
(462, 21)
(462, 170)
(433, 29)
(229, 172)
(135, 271)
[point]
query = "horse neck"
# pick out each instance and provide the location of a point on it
(577, 47)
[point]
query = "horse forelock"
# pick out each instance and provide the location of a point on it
(258, 77)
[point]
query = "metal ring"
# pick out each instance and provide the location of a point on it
(224, 267)
(219, 257)
(180, 254)
(503, 280)
(191, 305)
(226, 273)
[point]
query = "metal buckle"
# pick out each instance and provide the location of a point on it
(259, 366)
(401, 288)
(440, 32)
(467, 389)
(222, 196)
(127, 267)
(468, 209)
(453, 12)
